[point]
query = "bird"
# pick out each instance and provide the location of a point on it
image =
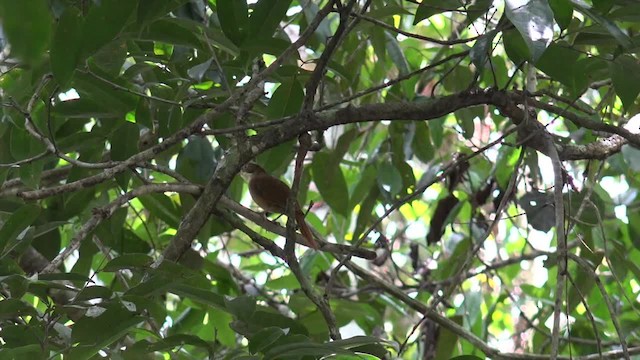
(271, 194)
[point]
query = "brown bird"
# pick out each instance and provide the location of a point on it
(271, 194)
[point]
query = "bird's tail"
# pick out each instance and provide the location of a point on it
(305, 230)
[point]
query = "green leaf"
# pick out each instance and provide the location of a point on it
(124, 141)
(23, 145)
(197, 160)
(65, 49)
(27, 27)
(94, 333)
(241, 307)
(261, 340)
(561, 63)
(149, 10)
(299, 349)
(17, 222)
(161, 206)
(459, 79)
(625, 73)
(396, 53)
(234, 18)
(143, 113)
(562, 12)
(428, 8)
(104, 22)
(32, 351)
(276, 159)
(265, 18)
(447, 340)
(286, 100)
(94, 292)
(172, 31)
(103, 93)
(84, 108)
(330, 182)
(539, 209)
(534, 21)
(389, 178)
(631, 156)
(30, 174)
(128, 261)
(357, 343)
(11, 308)
(584, 279)
(310, 10)
(206, 297)
(482, 48)
(175, 341)
(621, 37)
(363, 187)
(421, 142)
(262, 319)
(366, 209)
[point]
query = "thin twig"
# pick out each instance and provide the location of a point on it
(289, 247)
(106, 212)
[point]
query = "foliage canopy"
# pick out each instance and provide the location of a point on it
(473, 163)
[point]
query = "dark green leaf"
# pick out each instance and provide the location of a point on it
(539, 209)
(261, 341)
(534, 21)
(366, 209)
(124, 141)
(197, 160)
(103, 93)
(396, 53)
(65, 49)
(562, 12)
(172, 31)
(31, 351)
(143, 113)
(389, 178)
(27, 27)
(286, 100)
(241, 307)
(265, 18)
(561, 63)
(128, 261)
(234, 18)
(14, 226)
(427, 8)
(162, 207)
(93, 333)
(421, 143)
(447, 340)
(625, 73)
(482, 48)
(330, 182)
(94, 292)
(631, 157)
(11, 308)
(30, 174)
(104, 22)
(276, 159)
(174, 341)
(149, 10)
(621, 37)
(363, 188)
(206, 297)
(297, 349)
